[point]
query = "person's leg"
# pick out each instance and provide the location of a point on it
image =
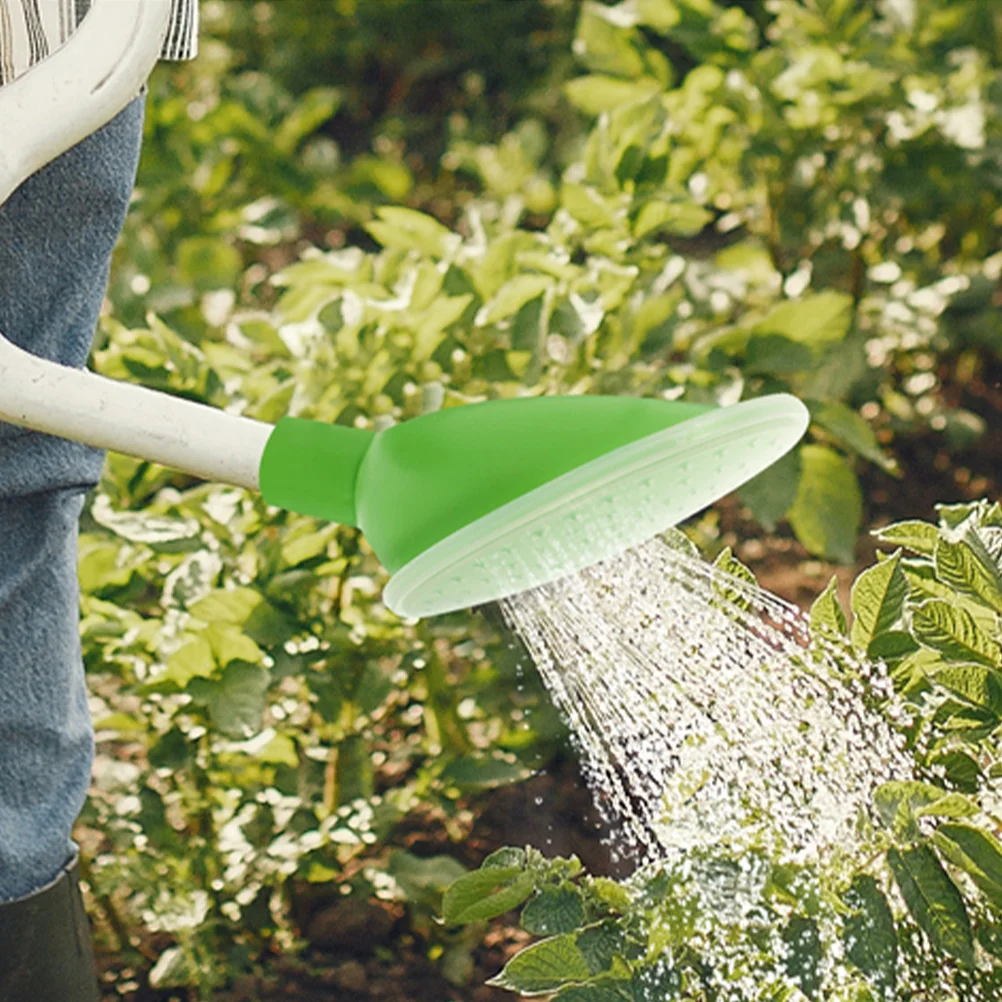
(57, 232)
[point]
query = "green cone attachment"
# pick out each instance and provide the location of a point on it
(474, 503)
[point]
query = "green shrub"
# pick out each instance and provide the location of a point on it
(928, 898)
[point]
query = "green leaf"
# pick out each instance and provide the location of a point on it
(914, 535)
(953, 632)
(934, 901)
(749, 257)
(684, 219)
(353, 772)
(374, 684)
(544, 967)
(484, 772)
(975, 683)
(588, 206)
(959, 566)
(877, 598)
(818, 320)
(301, 303)
(119, 722)
(512, 296)
(597, 92)
(841, 367)
(962, 771)
(610, 893)
(975, 851)
(775, 355)
(954, 515)
(171, 750)
(237, 701)
(892, 646)
(303, 544)
(329, 692)
(826, 611)
(600, 943)
(953, 805)
(275, 404)
(659, 15)
(507, 856)
(869, 935)
(727, 563)
(770, 494)
(486, 893)
(829, 505)
(851, 429)
(209, 263)
(229, 643)
(603, 45)
(312, 109)
(408, 229)
(429, 329)
(803, 959)
(554, 910)
(280, 750)
(923, 583)
(246, 608)
(898, 801)
(193, 658)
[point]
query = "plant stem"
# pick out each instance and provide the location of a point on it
(858, 276)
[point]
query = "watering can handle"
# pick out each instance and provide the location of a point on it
(43, 113)
(79, 88)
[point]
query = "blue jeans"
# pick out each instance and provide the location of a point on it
(57, 232)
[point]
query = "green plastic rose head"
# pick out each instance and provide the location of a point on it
(473, 503)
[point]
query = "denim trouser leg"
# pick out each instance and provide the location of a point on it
(57, 232)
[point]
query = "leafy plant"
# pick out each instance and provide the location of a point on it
(921, 914)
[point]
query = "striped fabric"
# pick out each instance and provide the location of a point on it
(32, 29)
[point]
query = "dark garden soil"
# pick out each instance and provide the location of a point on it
(362, 952)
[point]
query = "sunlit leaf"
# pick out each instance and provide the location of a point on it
(544, 967)
(828, 508)
(877, 598)
(953, 632)
(934, 901)
(486, 893)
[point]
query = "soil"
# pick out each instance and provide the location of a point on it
(553, 811)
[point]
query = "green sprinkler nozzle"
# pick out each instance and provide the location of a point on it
(471, 504)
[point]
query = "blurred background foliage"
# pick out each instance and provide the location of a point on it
(363, 211)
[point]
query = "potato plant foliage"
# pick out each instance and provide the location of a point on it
(682, 199)
(927, 902)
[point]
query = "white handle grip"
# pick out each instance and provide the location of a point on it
(80, 87)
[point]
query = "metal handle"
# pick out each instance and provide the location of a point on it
(43, 113)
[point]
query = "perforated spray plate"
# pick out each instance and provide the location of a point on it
(599, 509)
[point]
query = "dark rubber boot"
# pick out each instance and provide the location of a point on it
(46, 953)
